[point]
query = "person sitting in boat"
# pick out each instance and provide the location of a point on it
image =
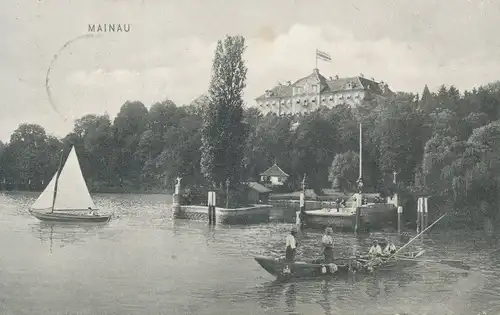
(92, 211)
(327, 242)
(389, 249)
(375, 250)
(291, 245)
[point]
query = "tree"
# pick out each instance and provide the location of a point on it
(224, 132)
(29, 158)
(343, 172)
(401, 132)
(97, 152)
(313, 148)
(128, 126)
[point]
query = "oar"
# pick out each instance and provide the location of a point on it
(417, 236)
(452, 263)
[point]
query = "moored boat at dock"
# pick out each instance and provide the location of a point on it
(372, 216)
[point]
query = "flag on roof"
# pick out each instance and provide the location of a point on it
(323, 55)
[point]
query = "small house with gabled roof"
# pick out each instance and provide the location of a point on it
(274, 176)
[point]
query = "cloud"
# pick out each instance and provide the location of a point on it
(180, 69)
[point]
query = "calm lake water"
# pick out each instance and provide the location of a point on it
(143, 262)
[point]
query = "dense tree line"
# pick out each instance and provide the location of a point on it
(140, 150)
(444, 143)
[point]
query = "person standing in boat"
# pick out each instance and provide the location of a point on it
(291, 245)
(327, 242)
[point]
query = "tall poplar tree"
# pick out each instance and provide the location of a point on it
(224, 133)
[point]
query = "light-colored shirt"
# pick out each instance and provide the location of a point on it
(290, 241)
(374, 250)
(389, 248)
(327, 241)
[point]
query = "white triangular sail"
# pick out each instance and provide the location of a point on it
(44, 201)
(72, 191)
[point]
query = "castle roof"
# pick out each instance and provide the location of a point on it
(332, 85)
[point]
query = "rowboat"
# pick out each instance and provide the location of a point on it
(337, 269)
(67, 198)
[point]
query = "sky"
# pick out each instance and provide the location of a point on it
(168, 52)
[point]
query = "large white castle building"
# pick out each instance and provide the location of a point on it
(313, 91)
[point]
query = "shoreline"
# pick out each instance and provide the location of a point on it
(104, 191)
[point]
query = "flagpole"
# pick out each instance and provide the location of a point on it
(316, 59)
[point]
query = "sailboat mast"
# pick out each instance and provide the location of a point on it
(57, 179)
(360, 151)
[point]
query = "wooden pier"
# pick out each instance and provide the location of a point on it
(212, 214)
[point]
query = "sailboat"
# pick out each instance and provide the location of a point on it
(67, 198)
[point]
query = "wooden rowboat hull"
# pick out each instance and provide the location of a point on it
(284, 270)
(69, 217)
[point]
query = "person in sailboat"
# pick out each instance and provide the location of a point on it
(327, 243)
(291, 245)
(92, 211)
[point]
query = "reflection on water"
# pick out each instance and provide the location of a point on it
(63, 234)
(143, 262)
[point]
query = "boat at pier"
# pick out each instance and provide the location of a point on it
(67, 198)
(356, 215)
(339, 268)
(371, 216)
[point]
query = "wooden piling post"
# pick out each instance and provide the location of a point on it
(400, 212)
(419, 211)
(426, 212)
(301, 214)
(358, 220)
(176, 205)
(211, 207)
(422, 218)
(302, 210)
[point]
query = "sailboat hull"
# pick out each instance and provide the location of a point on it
(69, 217)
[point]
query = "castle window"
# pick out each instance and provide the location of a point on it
(298, 101)
(313, 100)
(282, 102)
(331, 98)
(323, 99)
